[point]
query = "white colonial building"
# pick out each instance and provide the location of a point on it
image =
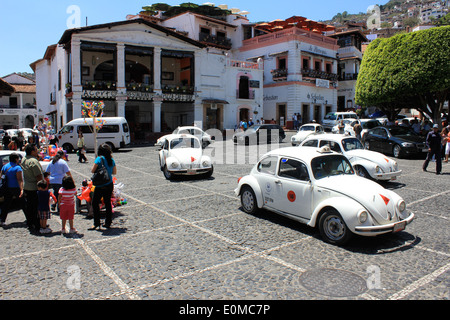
(18, 109)
(155, 76)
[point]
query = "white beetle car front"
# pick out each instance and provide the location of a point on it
(368, 164)
(318, 187)
(182, 154)
(305, 131)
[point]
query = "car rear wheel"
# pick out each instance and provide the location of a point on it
(333, 228)
(248, 200)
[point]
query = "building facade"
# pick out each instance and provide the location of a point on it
(18, 109)
(155, 77)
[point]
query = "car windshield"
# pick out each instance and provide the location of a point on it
(184, 143)
(330, 165)
(307, 128)
(254, 128)
(402, 131)
(370, 124)
(352, 144)
(330, 116)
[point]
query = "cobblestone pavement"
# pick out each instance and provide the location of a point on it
(188, 239)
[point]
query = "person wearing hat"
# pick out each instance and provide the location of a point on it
(434, 149)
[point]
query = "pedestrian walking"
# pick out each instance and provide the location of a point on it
(32, 173)
(67, 204)
(13, 171)
(357, 128)
(434, 149)
(44, 198)
(103, 191)
(58, 169)
(81, 148)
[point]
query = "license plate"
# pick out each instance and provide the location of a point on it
(400, 226)
(424, 150)
(190, 171)
(393, 178)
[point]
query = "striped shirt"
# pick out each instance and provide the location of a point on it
(67, 197)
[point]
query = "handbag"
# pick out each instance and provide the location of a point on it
(4, 183)
(101, 175)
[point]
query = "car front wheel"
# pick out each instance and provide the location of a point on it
(248, 200)
(333, 228)
(167, 173)
(397, 151)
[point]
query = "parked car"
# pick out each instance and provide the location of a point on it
(205, 138)
(367, 164)
(260, 133)
(319, 187)
(305, 131)
(4, 159)
(333, 118)
(182, 154)
(396, 140)
(366, 125)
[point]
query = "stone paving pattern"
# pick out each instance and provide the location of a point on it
(188, 239)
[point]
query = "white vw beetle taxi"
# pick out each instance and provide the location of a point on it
(305, 131)
(182, 154)
(318, 187)
(368, 164)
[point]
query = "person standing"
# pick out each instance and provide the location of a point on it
(358, 129)
(15, 186)
(80, 145)
(44, 205)
(434, 149)
(58, 169)
(32, 174)
(6, 140)
(103, 191)
(67, 203)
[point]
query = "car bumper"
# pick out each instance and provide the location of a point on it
(387, 228)
(190, 172)
(388, 176)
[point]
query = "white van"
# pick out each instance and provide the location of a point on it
(115, 132)
(333, 118)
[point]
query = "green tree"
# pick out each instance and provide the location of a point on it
(407, 71)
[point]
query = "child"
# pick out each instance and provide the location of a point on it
(44, 205)
(67, 203)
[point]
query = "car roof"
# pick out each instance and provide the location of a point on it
(303, 153)
(177, 136)
(329, 136)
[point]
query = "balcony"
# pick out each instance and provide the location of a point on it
(310, 73)
(139, 87)
(279, 74)
(348, 77)
(99, 85)
(215, 40)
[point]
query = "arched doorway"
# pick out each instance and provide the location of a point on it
(29, 121)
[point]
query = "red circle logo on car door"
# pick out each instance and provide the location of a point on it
(291, 196)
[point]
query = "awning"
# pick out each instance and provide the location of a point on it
(277, 53)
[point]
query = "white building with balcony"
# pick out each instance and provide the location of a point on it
(156, 77)
(18, 110)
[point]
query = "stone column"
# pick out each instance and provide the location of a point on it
(120, 66)
(157, 103)
(76, 65)
(198, 113)
(157, 69)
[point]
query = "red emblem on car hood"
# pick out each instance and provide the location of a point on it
(386, 200)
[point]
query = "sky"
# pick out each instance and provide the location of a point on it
(28, 27)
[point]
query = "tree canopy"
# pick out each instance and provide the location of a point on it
(408, 70)
(170, 11)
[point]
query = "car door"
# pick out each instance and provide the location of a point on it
(164, 153)
(293, 189)
(384, 143)
(266, 177)
(374, 139)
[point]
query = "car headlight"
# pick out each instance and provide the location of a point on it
(205, 163)
(401, 206)
(174, 165)
(408, 145)
(362, 216)
(378, 169)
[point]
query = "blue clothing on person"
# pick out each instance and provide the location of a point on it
(102, 161)
(12, 174)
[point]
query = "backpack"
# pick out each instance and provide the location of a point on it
(4, 182)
